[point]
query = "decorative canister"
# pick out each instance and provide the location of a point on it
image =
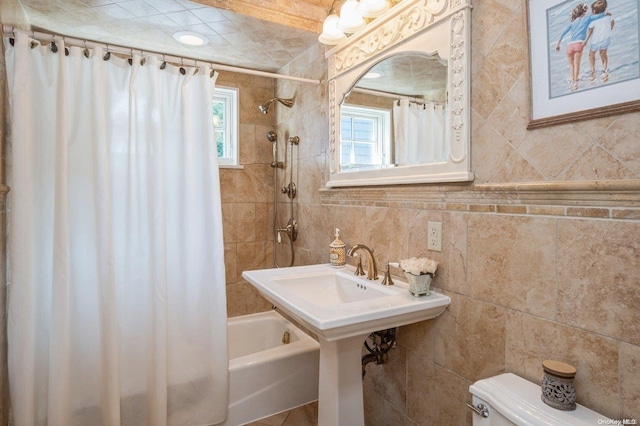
(419, 284)
(557, 385)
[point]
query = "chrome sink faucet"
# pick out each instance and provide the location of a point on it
(372, 270)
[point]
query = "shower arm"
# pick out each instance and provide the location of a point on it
(264, 108)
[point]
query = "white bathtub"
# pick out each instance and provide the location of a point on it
(266, 376)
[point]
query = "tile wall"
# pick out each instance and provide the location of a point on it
(540, 261)
(247, 194)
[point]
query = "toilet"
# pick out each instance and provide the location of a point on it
(508, 399)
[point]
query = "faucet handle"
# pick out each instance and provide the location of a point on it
(387, 277)
(359, 270)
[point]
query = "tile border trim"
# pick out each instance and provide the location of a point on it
(613, 199)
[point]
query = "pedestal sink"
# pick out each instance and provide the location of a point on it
(342, 310)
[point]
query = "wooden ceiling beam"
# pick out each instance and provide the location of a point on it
(305, 15)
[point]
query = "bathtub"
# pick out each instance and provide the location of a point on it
(267, 376)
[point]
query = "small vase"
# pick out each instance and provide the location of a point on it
(419, 284)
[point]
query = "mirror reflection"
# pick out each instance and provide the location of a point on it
(395, 114)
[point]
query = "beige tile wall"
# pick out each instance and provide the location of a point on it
(548, 270)
(247, 194)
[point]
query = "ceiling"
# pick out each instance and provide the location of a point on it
(257, 34)
(414, 75)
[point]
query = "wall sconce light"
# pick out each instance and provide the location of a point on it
(350, 19)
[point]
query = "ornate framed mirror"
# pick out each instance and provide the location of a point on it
(399, 95)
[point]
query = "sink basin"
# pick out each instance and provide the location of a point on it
(328, 288)
(335, 304)
(342, 309)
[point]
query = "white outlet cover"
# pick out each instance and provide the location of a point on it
(434, 242)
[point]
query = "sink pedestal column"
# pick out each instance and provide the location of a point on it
(340, 386)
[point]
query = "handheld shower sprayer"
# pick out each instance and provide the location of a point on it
(264, 108)
(273, 138)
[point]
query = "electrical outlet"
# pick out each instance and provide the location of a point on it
(435, 236)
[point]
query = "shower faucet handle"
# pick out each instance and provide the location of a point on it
(290, 190)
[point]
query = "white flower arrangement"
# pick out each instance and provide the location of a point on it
(419, 266)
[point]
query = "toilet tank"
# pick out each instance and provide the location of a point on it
(512, 400)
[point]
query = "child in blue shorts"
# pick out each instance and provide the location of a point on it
(599, 37)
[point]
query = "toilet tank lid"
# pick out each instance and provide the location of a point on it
(519, 401)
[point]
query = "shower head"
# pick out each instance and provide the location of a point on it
(264, 108)
(271, 136)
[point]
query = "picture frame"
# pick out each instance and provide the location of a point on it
(584, 61)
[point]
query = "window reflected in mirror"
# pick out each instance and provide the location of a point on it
(365, 135)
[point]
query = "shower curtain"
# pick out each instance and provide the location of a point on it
(116, 305)
(419, 132)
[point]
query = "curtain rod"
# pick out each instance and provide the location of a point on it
(8, 31)
(395, 96)
(384, 94)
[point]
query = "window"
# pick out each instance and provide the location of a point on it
(225, 124)
(365, 135)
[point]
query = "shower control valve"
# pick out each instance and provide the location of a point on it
(291, 230)
(290, 190)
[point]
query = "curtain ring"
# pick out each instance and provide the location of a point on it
(213, 71)
(182, 70)
(66, 49)
(86, 50)
(107, 55)
(163, 65)
(54, 46)
(143, 60)
(12, 39)
(34, 41)
(130, 60)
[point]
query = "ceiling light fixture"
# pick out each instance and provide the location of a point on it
(350, 18)
(190, 38)
(371, 75)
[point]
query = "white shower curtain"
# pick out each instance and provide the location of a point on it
(419, 132)
(117, 309)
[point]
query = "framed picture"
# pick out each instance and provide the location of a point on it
(584, 59)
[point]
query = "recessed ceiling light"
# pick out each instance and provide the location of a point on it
(190, 38)
(372, 74)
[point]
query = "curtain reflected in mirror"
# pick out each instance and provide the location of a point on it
(419, 132)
